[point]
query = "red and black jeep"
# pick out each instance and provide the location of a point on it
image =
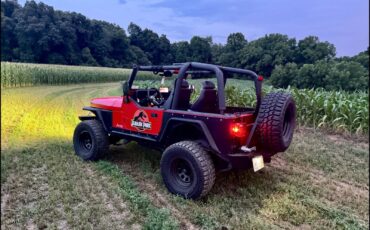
(197, 139)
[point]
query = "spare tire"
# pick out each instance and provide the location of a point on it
(276, 122)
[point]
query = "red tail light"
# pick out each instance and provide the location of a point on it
(176, 71)
(238, 130)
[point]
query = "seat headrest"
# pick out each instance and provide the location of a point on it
(208, 85)
(184, 84)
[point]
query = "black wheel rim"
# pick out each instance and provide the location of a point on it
(181, 173)
(85, 141)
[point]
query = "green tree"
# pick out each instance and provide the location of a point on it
(8, 38)
(137, 56)
(263, 54)
(284, 75)
(200, 49)
(235, 42)
(362, 58)
(310, 50)
(232, 50)
(164, 50)
(156, 48)
(181, 51)
(347, 75)
(217, 50)
(135, 34)
(313, 75)
(87, 58)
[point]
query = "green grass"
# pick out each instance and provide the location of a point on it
(320, 182)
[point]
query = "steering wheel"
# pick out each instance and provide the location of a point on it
(158, 101)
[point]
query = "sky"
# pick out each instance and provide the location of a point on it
(344, 23)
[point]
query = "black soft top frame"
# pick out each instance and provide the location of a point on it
(221, 72)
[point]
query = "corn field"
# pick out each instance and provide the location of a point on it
(25, 74)
(334, 110)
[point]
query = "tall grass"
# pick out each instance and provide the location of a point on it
(25, 74)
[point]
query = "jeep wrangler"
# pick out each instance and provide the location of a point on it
(197, 139)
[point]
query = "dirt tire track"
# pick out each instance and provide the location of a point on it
(348, 192)
(157, 198)
(29, 191)
(118, 209)
(160, 200)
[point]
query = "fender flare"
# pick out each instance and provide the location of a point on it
(104, 116)
(200, 125)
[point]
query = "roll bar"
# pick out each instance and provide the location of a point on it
(203, 68)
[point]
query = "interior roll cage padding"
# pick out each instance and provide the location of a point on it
(206, 69)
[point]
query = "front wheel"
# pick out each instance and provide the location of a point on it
(187, 170)
(90, 140)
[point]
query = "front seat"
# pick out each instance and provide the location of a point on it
(184, 97)
(207, 101)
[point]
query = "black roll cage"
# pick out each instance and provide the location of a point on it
(202, 68)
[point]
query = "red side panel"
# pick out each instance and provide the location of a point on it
(138, 119)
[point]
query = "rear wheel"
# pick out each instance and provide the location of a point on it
(90, 140)
(276, 122)
(187, 170)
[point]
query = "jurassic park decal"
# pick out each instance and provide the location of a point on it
(141, 121)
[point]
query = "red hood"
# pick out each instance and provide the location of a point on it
(109, 103)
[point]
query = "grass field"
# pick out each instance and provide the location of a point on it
(321, 182)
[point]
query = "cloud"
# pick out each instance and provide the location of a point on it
(179, 24)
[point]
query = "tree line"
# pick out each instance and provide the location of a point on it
(37, 33)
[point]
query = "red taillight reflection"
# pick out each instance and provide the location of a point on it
(238, 130)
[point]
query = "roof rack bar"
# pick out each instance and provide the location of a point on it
(158, 68)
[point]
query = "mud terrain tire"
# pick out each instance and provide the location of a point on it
(90, 140)
(187, 170)
(276, 122)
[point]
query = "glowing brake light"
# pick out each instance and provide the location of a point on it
(238, 130)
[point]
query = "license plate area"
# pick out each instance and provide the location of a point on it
(258, 163)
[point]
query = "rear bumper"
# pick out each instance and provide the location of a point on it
(242, 160)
